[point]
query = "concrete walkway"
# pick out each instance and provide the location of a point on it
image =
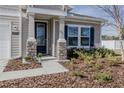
(3, 63)
(49, 67)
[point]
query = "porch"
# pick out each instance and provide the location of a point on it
(46, 36)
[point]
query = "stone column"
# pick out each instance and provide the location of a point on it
(31, 41)
(61, 43)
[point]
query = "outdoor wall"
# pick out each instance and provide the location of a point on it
(11, 14)
(15, 42)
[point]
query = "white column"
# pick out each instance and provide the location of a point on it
(61, 43)
(31, 42)
(53, 43)
(61, 30)
(31, 26)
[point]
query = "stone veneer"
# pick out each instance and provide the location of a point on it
(31, 47)
(61, 50)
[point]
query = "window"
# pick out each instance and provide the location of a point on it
(85, 31)
(78, 36)
(85, 36)
(73, 36)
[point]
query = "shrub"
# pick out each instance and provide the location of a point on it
(80, 55)
(71, 53)
(98, 66)
(95, 53)
(103, 52)
(104, 77)
(78, 74)
(30, 59)
(39, 55)
(113, 61)
(88, 60)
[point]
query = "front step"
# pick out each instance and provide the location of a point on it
(47, 58)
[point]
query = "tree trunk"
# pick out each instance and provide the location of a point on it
(121, 46)
(122, 51)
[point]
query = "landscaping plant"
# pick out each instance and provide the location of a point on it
(113, 61)
(39, 56)
(95, 53)
(78, 74)
(30, 59)
(103, 77)
(98, 66)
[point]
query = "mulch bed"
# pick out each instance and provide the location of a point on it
(60, 80)
(16, 64)
(67, 80)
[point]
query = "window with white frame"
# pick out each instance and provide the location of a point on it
(78, 35)
(72, 36)
(85, 36)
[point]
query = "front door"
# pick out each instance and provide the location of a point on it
(40, 35)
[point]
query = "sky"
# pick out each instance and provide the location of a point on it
(95, 12)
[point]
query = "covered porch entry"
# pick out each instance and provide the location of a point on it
(46, 36)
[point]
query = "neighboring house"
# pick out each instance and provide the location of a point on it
(51, 30)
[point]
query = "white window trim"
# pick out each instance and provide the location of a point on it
(79, 36)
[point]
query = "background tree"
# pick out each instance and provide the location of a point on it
(116, 13)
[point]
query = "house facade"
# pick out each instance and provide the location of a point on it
(50, 30)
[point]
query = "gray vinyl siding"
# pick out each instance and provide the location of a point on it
(11, 15)
(97, 37)
(15, 42)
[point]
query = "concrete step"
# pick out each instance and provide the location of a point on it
(47, 58)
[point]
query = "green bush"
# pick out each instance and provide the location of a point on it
(103, 77)
(78, 74)
(95, 53)
(103, 52)
(30, 59)
(39, 55)
(80, 55)
(98, 66)
(113, 61)
(71, 53)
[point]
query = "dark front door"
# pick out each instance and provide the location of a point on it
(40, 35)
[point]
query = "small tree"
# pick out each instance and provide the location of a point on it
(116, 13)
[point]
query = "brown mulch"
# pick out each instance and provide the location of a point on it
(67, 80)
(16, 64)
(60, 80)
